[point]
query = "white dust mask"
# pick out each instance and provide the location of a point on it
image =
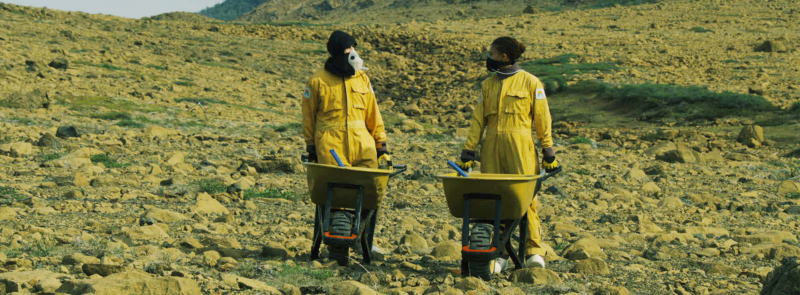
(355, 61)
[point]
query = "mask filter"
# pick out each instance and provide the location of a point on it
(355, 61)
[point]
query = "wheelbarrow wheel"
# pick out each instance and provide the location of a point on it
(341, 225)
(480, 238)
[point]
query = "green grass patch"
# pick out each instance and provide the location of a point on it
(314, 51)
(90, 103)
(436, 137)
(693, 102)
(579, 139)
(23, 121)
(103, 65)
(108, 161)
(184, 83)
(730, 61)
(272, 193)
(211, 186)
(554, 71)
(200, 100)
(52, 156)
(294, 126)
(795, 108)
(129, 123)
(157, 67)
(583, 171)
(112, 116)
(793, 196)
(700, 30)
(10, 195)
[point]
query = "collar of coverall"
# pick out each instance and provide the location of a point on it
(502, 74)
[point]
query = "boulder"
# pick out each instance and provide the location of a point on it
(749, 132)
(207, 204)
(472, 284)
(351, 288)
(681, 155)
(447, 250)
(162, 215)
(591, 266)
(582, 249)
(27, 281)
(535, 275)
(785, 279)
(776, 46)
(132, 282)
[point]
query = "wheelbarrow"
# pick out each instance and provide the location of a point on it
(347, 200)
(496, 205)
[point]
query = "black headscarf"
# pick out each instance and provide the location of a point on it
(337, 64)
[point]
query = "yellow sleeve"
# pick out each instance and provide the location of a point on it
(373, 117)
(541, 115)
(476, 126)
(310, 105)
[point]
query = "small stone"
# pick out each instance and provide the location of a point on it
(67, 131)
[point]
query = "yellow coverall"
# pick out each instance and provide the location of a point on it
(342, 114)
(506, 111)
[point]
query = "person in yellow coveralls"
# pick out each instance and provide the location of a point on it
(340, 111)
(512, 101)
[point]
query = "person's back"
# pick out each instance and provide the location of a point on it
(340, 111)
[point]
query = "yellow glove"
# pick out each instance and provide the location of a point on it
(465, 165)
(385, 162)
(549, 164)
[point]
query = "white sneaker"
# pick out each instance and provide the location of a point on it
(500, 265)
(376, 249)
(535, 259)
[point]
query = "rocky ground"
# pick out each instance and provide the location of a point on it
(162, 156)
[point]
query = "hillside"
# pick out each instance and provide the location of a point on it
(231, 9)
(162, 154)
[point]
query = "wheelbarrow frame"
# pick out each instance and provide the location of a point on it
(501, 235)
(363, 229)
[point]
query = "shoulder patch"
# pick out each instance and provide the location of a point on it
(540, 93)
(307, 92)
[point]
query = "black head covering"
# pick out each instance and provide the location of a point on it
(337, 64)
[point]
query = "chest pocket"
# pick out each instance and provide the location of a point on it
(360, 95)
(517, 102)
(329, 98)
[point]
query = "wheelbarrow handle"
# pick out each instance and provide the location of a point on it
(458, 169)
(397, 169)
(336, 157)
(551, 174)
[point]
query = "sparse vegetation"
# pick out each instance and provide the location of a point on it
(271, 193)
(231, 9)
(700, 30)
(10, 195)
(129, 123)
(211, 186)
(693, 102)
(201, 100)
(793, 196)
(108, 161)
(579, 139)
(112, 116)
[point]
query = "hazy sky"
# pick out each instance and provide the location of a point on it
(125, 8)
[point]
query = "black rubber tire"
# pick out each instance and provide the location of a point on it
(480, 238)
(341, 225)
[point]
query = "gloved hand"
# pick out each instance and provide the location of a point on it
(467, 159)
(382, 148)
(550, 164)
(312, 153)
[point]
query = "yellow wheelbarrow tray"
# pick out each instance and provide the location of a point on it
(355, 195)
(517, 193)
(497, 206)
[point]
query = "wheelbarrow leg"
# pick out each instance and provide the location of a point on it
(367, 235)
(317, 238)
(523, 239)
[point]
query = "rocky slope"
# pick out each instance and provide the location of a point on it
(181, 172)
